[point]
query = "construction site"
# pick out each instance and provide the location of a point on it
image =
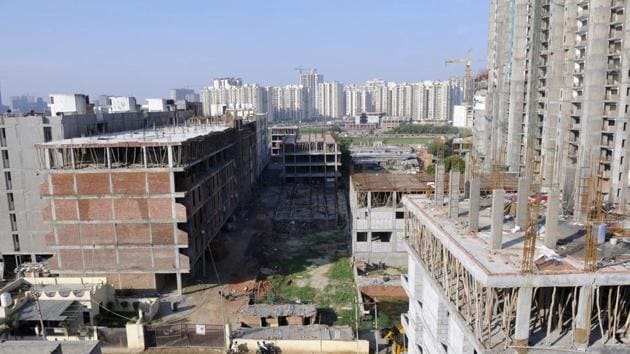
(497, 271)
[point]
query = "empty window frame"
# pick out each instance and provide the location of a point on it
(381, 236)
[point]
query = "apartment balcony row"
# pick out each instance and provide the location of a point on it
(617, 5)
(617, 18)
(582, 14)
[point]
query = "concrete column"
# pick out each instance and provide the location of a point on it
(439, 184)
(203, 263)
(473, 205)
(551, 218)
(496, 228)
(179, 283)
(523, 312)
(453, 194)
(521, 202)
(583, 318)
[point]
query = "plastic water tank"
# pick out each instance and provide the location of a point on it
(5, 300)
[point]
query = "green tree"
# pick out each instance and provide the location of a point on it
(454, 162)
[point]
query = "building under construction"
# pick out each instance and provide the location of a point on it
(558, 96)
(311, 158)
(141, 207)
(479, 283)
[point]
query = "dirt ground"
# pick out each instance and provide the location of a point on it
(290, 237)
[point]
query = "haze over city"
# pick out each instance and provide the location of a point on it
(145, 48)
(302, 176)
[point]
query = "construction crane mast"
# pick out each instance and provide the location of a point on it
(467, 77)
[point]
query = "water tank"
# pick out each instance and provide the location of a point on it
(5, 300)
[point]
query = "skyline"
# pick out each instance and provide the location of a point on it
(260, 42)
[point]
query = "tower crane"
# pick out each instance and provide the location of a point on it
(467, 77)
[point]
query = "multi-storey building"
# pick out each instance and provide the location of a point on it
(232, 94)
(311, 158)
(288, 103)
(357, 100)
(557, 96)
(26, 104)
(21, 176)
(278, 133)
(378, 218)
(141, 207)
(330, 100)
(310, 81)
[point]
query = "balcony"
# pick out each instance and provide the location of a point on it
(616, 19)
(582, 14)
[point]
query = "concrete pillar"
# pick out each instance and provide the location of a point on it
(179, 283)
(453, 194)
(521, 202)
(496, 228)
(473, 205)
(583, 317)
(135, 336)
(551, 218)
(439, 184)
(523, 312)
(203, 263)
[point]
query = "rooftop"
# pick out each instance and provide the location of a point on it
(51, 310)
(312, 332)
(265, 310)
(310, 138)
(173, 135)
(501, 268)
(388, 182)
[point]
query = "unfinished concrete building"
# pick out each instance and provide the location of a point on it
(475, 287)
(141, 207)
(311, 158)
(22, 226)
(278, 133)
(558, 96)
(378, 218)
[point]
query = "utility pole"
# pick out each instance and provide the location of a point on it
(39, 312)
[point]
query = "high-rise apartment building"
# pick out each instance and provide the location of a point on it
(310, 81)
(184, 94)
(558, 96)
(233, 94)
(288, 103)
(330, 100)
(26, 104)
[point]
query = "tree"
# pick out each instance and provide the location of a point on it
(454, 162)
(430, 170)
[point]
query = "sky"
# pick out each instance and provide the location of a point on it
(144, 48)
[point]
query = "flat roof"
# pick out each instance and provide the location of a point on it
(266, 310)
(388, 182)
(310, 332)
(309, 138)
(173, 135)
(51, 310)
(502, 268)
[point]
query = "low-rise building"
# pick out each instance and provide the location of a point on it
(69, 104)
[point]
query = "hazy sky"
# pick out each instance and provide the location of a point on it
(143, 48)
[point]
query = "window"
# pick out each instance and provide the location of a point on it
(16, 243)
(13, 220)
(7, 180)
(5, 159)
(3, 137)
(400, 215)
(11, 201)
(47, 134)
(381, 236)
(361, 236)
